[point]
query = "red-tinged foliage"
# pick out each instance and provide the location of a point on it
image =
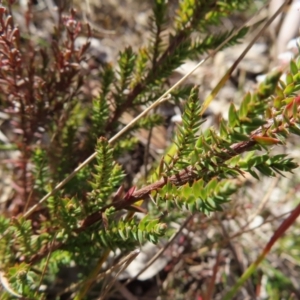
(265, 140)
(290, 106)
(38, 88)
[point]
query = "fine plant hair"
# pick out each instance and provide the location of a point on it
(95, 213)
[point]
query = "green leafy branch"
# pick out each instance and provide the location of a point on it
(192, 16)
(216, 159)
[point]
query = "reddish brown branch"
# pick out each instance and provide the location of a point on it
(186, 175)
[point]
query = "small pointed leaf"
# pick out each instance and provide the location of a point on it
(232, 116)
(293, 67)
(289, 89)
(289, 78)
(265, 140)
(243, 111)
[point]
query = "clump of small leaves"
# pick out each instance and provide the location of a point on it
(85, 217)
